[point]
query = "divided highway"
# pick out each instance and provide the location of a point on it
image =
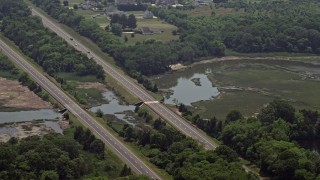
(112, 142)
(177, 121)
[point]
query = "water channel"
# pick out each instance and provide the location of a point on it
(20, 116)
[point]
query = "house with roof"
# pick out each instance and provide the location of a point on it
(148, 15)
(146, 31)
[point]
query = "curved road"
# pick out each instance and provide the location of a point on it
(112, 142)
(177, 121)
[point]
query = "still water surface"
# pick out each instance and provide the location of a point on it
(114, 107)
(186, 91)
(20, 116)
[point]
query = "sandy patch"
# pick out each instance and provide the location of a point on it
(14, 95)
(89, 85)
(177, 66)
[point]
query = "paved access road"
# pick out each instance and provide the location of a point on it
(125, 154)
(177, 121)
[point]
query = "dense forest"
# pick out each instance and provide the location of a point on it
(264, 26)
(48, 50)
(271, 140)
(56, 156)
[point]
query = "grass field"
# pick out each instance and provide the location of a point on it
(156, 25)
(97, 17)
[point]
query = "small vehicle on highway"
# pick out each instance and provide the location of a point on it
(71, 39)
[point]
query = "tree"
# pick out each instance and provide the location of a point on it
(99, 113)
(155, 88)
(49, 175)
(125, 39)
(227, 153)
(116, 29)
(233, 116)
(75, 6)
(126, 171)
(132, 22)
(275, 110)
(65, 3)
(66, 116)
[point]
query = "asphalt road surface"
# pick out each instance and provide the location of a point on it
(174, 119)
(112, 142)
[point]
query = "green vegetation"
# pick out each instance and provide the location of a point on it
(181, 157)
(130, 60)
(49, 51)
(265, 26)
(270, 140)
(7, 69)
(163, 31)
(57, 156)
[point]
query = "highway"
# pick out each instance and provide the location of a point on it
(111, 141)
(174, 119)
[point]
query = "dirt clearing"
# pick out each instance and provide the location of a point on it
(14, 95)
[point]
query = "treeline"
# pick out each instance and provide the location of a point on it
(48, 50)
(266, 26)
(56, 156)
(105, 40)
(89, 142)
(181, 157)
(211, 126)
(126, 22)
(7, 65)
(153, 57)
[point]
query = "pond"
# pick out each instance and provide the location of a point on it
(195, 88)
(20, 116)
(114, 107)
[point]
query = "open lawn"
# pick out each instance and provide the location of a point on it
(97, 17)
(163, 31)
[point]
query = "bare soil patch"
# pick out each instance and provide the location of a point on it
(177, 66)
(14, 95)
